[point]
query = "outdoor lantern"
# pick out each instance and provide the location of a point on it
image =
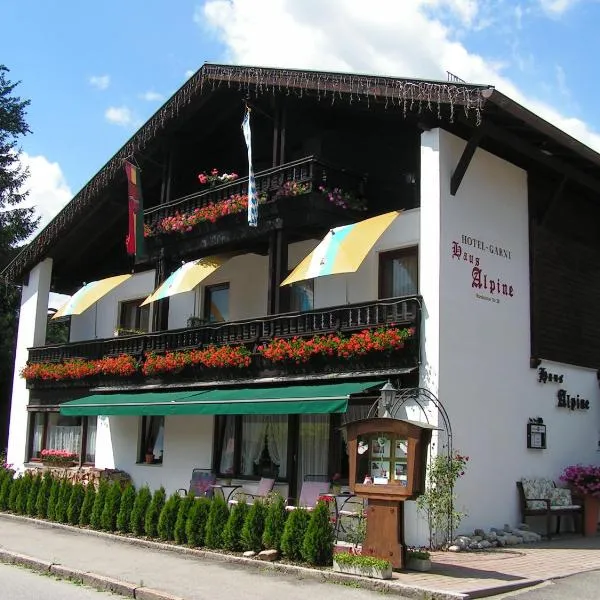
(386, 400)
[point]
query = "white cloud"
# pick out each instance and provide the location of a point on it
(48, 189)
(120, 115)
(390, 38)
(151, 96)
(100, 82)
(555, 8)
(189, 73)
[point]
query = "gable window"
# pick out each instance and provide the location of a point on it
(152, 440)
(302, 295)
(216, 303)
(399, 273)
(134, 318)
(53, 431)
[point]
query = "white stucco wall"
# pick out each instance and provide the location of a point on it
(485, 381)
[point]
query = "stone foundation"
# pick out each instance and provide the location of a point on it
(83, 475)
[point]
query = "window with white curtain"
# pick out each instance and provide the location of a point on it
(399, 273)
(313, 447)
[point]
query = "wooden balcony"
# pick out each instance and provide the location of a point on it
(398, 312)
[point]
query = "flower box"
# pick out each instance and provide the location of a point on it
(58, 458)
(363, 566)
(418, 564)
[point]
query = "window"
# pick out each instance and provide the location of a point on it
(53, 431)
(134, 318)
(313, 447)
(152, 440)
(302, 295)
(399, 273)
(252, 445)
(216, 303)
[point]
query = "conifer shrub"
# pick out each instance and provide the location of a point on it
(75, 504)
(317, 546)
(185, 506)
(108, 519)
(5, 490)
(64, 496)
(168, 517)
(274, 523)
(153, 513)
(99, 501)
(23, 495)
(195, 526)
(14, 494)
(137, 523)
(53, 499)
(88, 505)
(125, 508)
(254, 526)
(41, 503)
(34, 490)
(217, 519)
(233, 530)
(293, 534)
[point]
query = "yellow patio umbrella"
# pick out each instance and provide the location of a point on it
(343, 249)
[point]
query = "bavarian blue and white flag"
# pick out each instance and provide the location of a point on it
(252, 195)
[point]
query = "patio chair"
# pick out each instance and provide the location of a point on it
(200, 484)
(264, 488)
(311, 489)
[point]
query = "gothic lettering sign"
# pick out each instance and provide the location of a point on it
(564, 399)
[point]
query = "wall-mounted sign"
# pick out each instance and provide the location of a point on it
(572, 402)
(545, 377)
(536, 436)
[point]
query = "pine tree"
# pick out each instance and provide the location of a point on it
(53, 499)
(153, 514)
(274, 523)
(168, 518)
(88, 505)
(254, 526)
(217, 519)
(41, 503)
(182, 517)
(293, 534)
(75, 504)
(125, 509)
(195, 526)
(108, 519)
(34, 490)
(64, 496)
(15, 488)
(317, 547)
(233, 529)
(23, 495)
(5, 491)
(140, 508)
(96, 517)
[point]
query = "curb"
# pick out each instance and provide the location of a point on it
(130, 590)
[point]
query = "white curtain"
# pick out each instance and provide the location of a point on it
(64, 438)
(277, 440)
(38, 433)
(313, 450)
(253, 441)
(90, 444)
(228, 449)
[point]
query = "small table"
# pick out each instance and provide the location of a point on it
(227, 490)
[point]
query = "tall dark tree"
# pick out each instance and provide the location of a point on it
(16, 225)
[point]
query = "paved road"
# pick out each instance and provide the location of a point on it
(585, 586)
(17, 583)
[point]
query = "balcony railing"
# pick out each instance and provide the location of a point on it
(310, 173)
(401, 312)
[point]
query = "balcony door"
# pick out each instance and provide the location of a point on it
(216, 303)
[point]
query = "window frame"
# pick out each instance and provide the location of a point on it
(208, 290)
(124, 304)
(390, 255)
(142, 443)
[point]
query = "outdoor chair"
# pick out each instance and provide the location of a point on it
(264, 488)
(200, 484)
(309, 493)
(539, 497)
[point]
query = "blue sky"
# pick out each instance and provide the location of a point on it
(95, 72)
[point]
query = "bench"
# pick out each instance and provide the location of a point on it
(539, 497)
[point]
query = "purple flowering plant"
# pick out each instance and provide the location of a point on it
(584, 479)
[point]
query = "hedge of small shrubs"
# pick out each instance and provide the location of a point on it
(197, 522)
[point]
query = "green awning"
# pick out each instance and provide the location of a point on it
(277, 400)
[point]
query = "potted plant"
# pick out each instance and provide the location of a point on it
(584, 480)
(58, 458)
(149, 458)
(418, 560)
(365, 566)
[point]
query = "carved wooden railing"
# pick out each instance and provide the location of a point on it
(402, 312)
(309, 172)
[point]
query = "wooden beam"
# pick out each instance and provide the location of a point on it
(465, 159)
(558, 192)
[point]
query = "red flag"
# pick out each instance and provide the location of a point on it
(135, 230)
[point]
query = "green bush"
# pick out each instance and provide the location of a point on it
(153, 514)
(53, 499)
(140, 508)
(195, 526)
(233, 530)
(274, 523)
(317, 547)
(23, 495)
(182, 515)
(34, 490)
(217, 519)
(88, 504)
(254, 526)
(64, 496)
(293, 533)
(168, 517)
(5, 490)
(14, 494)
(125, 508)
(75, 504)
(41, 503)
(108, 519)
(98, 508)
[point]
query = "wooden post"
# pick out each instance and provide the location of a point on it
(384, 531)
(278, 260)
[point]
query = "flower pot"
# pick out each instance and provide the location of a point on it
(363, 571)
(590, 514)
(418, 564)
(149, 458)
